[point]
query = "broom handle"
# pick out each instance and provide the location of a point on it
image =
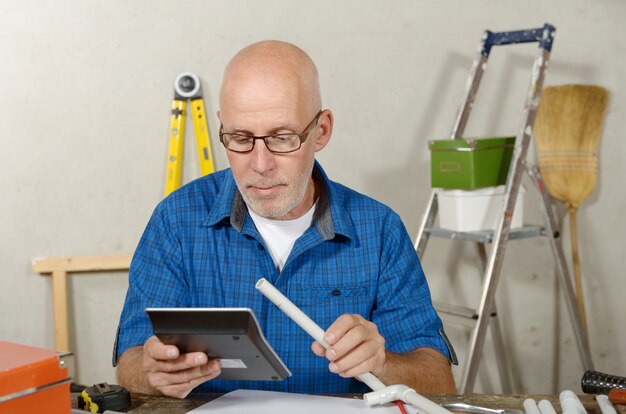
(576, 260)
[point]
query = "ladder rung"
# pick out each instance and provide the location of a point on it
(485, 236)
(460, 315)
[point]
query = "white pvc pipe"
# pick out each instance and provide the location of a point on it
(546, 407)
(530, 406)
(381, 394)
(605, 405)
(306, 323)
(570, 404)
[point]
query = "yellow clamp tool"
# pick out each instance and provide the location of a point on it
(187, 87)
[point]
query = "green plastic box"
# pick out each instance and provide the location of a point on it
(467, 164)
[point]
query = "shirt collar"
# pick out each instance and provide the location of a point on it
(331, 218)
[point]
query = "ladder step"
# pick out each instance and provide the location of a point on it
(460, 315)
(486, 236)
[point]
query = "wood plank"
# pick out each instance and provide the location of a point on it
(59, 267)
(59, 305)
(82, 263)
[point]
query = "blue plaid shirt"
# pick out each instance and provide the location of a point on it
(201, 249)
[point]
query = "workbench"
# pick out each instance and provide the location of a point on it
(149, 404)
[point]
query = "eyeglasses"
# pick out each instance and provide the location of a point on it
(278, 143)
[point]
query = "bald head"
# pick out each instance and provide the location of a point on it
(271, 90)
(276, 65)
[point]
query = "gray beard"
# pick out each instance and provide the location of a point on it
(295, 195)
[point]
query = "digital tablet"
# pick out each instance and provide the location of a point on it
(232, 335)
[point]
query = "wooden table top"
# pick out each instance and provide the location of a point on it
(164, 405)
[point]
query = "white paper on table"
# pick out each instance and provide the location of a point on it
(270, 402)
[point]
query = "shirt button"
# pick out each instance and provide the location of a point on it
(260, 246)
(336, 292)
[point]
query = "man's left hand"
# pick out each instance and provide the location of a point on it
(356, 347)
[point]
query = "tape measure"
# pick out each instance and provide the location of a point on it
(187, 87)
(103, 397)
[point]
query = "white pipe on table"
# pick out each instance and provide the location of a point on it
(546, 407)
(570, 404)
(530, 406)
(606, 406)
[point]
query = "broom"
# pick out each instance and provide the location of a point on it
(567, 134)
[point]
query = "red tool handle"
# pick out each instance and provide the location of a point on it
(617, 396)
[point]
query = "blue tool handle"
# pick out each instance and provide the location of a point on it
(544, 35)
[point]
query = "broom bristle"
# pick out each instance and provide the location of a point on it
(559, 184)
(567, 133)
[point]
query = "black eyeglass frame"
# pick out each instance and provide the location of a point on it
(303, 137)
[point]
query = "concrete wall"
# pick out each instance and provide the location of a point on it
(85, 90)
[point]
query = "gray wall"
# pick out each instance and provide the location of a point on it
(85, 90)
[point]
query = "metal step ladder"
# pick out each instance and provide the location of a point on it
(480, 319)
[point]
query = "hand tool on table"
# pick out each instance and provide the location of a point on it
(594, 382)
(104, 397)
(617, 396)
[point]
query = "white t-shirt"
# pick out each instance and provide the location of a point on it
(280, 235)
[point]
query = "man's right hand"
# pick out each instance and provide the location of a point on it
(173, 374)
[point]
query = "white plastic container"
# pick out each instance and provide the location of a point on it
(475, 210)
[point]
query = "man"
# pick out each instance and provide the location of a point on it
(343, 258)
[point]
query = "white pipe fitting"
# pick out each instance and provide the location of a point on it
(386, 395)
(405, 394)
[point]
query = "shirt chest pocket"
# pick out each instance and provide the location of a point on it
(325, 303)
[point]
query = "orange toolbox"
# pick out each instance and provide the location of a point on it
(33, 380)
